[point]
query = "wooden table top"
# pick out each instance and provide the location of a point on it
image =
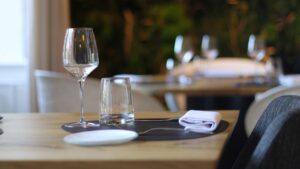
(203, 87)
(35, 140)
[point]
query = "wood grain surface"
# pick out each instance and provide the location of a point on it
(35, 140)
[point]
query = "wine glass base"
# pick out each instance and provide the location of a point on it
(81, 125)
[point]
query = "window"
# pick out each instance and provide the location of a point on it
(12, 32)
(13, 67)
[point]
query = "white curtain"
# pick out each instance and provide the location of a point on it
(46, 23)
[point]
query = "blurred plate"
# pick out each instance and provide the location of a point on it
(101, 137)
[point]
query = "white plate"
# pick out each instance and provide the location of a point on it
(101, 137)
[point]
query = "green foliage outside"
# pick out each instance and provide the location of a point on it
(156, 24)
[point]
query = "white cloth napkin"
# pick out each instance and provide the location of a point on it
(221, 68)
(200, 121)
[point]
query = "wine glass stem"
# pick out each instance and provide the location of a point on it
(257, 77)
(81, 95)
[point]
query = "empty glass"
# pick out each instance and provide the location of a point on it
(183, 49)
(256, 51)
(170, 64)
(256, 47)
(116, 105)
(209, 47)
(80, 58)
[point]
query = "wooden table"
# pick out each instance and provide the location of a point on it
(33, 140)
(201, 88)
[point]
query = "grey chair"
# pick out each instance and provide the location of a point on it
(261, 102)
(279, 146)
(279, 106)
(58, 92)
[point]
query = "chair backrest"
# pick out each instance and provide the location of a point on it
(261, 102)
(279, 147)
(58, 92)
(280, 105)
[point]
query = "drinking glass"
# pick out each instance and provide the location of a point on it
(170, 64)
(256, 47)
(209, 47)
(116, 105)
(183, 49)
(256, 51)
(80, 58)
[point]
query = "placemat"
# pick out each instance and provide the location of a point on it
(140, 126)
(257, 84)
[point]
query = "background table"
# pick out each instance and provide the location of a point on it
(202, 87)
(33, 140)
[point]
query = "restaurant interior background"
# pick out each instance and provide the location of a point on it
(135, 36)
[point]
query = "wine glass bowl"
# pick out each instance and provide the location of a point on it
(80, 58)
(183, 49)
(184, 52)
(256, 47)
(257, 51)
(209, 47)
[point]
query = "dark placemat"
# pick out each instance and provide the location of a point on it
(140, 126)
(257, 84)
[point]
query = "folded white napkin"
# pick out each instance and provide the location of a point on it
(221, 68)
(200, 121)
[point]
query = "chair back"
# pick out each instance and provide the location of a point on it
(279, 146)
(262, 100)
(58, 92)
(280, 105)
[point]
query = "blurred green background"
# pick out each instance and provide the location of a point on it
(137, 36)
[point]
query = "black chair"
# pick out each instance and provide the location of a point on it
(279, 107)
(279, 147)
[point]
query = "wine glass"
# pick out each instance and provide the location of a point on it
(183, 49)
(256, 51)
(80, 58)
(209, 47)
(256, 47)
(170, 64)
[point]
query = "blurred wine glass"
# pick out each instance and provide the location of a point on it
(209, 47)
(183, 49)
(170, 64)
(80, 58)
(256, 48)
(257, 51)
